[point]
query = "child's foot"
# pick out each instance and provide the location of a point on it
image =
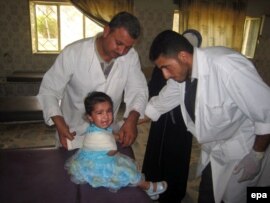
(154, 197)
(156, 188)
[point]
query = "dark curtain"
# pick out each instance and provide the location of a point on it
(102, 11)
(221, 22)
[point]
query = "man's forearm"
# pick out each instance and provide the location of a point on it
(133, 116)
(58, 120)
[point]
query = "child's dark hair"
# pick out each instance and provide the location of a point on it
(94, 98)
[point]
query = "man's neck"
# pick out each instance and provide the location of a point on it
(100, 50)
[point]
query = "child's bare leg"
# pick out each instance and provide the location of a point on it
(144, 184)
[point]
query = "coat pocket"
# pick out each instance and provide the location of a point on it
(217, 116)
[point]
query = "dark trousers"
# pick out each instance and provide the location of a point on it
(168, 148)
(206, 193)
(167, 155)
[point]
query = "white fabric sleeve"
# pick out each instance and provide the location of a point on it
(53, 85)
(136, 90)
(168, 98)
(250, 93)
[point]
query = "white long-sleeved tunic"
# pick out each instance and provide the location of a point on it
(232, 106)
(77, 71)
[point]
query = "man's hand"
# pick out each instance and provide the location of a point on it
(251, 165)
(128, 132)
(63, 130)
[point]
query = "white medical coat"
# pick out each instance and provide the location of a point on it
(232, 106)
(77, 71)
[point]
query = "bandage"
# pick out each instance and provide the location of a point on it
(99, 141)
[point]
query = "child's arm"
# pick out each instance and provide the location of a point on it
(116, 136)
(113, 152)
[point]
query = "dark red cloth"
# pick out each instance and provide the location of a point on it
(38, 175)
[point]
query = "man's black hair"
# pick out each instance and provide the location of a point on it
(169, 43)
(127, 21)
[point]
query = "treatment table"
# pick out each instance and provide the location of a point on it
(37, 175)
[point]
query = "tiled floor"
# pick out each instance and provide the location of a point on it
(26, 135)
(39, 135)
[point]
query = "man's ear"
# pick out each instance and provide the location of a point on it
(182, 56)
(106, 31)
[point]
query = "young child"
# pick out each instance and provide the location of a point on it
(98, 162)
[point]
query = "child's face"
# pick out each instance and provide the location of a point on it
(102, 115)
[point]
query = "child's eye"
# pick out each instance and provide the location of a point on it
(118, 43)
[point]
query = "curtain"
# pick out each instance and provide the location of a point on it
(102, 11)
(221, 22)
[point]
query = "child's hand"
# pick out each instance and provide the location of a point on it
(112, 152)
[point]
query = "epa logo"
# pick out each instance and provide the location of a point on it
(258, 196)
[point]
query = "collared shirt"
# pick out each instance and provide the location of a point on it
(106, 66)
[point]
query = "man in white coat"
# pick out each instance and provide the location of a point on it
(230, 118)
(107, 63)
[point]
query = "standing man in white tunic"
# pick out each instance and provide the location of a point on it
(230, 118)
(107, 63)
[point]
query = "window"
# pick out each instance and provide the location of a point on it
(55, 25)
(252, 30)
(251, 33)
(176, 21)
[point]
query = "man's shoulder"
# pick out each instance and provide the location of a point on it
(132, 52)
(78, 47)
(80, 43)
(225, 60)
(218, 50)
(221, 52)
(132, 55)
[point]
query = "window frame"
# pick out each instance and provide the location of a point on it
(33, 23)
(247, 28)
(253, 41)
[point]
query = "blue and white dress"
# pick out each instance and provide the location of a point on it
(92, 165)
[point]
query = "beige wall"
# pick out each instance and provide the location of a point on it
(15, 39)
(15, 36)
(155, 16)
(259, 8)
